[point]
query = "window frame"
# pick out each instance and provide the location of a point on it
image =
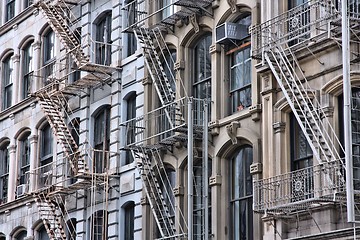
(241, 198)
(129, 220)
(130, 18)
(103, 40)
(46, 155)
(49, 55)
(24, 152)
(99, 221)
(27, 69)
(7, 89)
(101, 140)
(10, 10)
(130, 130)
(4, 171)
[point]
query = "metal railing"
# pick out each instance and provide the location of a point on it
(148, 126)
(299, 188)
(295, 26)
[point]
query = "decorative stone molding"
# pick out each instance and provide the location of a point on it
(178, 191)
(7, 212)
(215, 180)
(214, 127)
(215, 4)
(215, 48)
(144, 201)
(194, 23)
(12, 116)
(33, 139)
(255, 168)
(179, 65)
(231, 130)
(279, 127)
(16, 58)
(36, 45)
(146, 81)
(233, 6)
(255, 111)
(12, 149)
(328, 111)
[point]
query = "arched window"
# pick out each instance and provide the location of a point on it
(99, 225)
(2, 236)
(241, 214)
(21, 235)
(101, 139)
(7, 75)
(27, 69)
(42, 234)
(202, 77)
(46, 155)
(240, 71)
(49, 56)
(129, 218)
(103, 40)
(4, 170)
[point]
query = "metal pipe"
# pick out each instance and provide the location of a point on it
(206, 170)
(347, 112)
(190, 169)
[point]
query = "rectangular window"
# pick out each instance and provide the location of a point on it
(101, 140)
(49, 56)
(240, 79)
(8, 82)
(130, 17)
(46, 156)
(129, 222)
(10, 9)
(103, 41)
(24, 161)
(131, 130)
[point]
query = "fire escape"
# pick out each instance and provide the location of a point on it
(53, 99)
(279, 43)
(151, 136)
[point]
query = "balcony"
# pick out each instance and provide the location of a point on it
(310, 22)
(300, 189)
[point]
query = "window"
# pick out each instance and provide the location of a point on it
(355, 129)
(49, 56)
(43, 234)
(71, 229)
(169, 179)
(301, 162)
(10, 9)
(240, 74)
(101, 140)
(21, 235)
(2, 236)
(4, 171)
(24, 148)
(8, 82)
(202, 78)
(103, 40)
(241, 195)
(168, 66)
(130, 114)
(28, 69)
(168, 8)
(130, 17)
(129, 211)
(198, 204)
(46, 156)
(98, 226)
(27, 3)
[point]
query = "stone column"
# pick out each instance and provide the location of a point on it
(34, 163)
(16, 79)
(216, 80)
(12, 173)
(36, 80)
(17, 7)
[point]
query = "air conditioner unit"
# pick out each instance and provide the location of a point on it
(21, 190)
(231, 32)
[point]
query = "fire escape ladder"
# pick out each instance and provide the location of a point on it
(156, 195)
(152, 41)
(50, 213)
(57, 16)
(52, 109)
(302, 101)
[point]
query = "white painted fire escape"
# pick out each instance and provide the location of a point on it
(53, 99)
(278, 43)
(149, 27)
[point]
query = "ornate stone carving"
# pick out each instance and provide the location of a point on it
(232, 4)
(231, 130)
(194, 23)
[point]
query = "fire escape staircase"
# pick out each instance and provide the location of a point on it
(279, 56)
(151, 169)
(50, 213)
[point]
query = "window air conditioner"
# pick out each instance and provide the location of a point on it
(21, 190)
(231, 32)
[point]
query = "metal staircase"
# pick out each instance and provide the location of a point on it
(151, 170)
(51, 215)
(275, 45)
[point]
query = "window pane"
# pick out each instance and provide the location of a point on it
(103, 38)
(10, 9)
(129, 222)
(7, 81)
